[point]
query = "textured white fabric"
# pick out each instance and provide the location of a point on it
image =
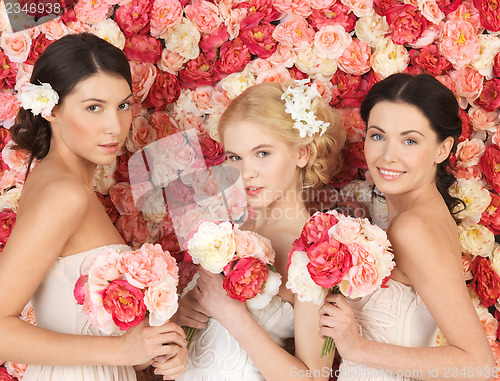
(56, 309)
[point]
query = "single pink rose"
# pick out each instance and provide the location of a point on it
(170, 62)
(198, 72)
(363, 276)
(165, 15)
(8, 218)
(92, 11)
(104, 268)
(353, 124)
(134, 17)
(233, 21)
(260, 40)
(406, 22)
(468, 173)
(328, 263)
(331, 41)
(9, 107)
(142, 268)
(430, 60)
(165, 90)
(490, 14)
(125, 303)
(489, 99)
(316, 228)
(163, 123)
(15, 159)
(459, 43)
(336, 14)
(133, 228)
(282, 56)
(345, 231)
(360, 7)
(140, 134)
(143, 48)
(468, 82)
(276, 74)
(467, 266)
(469, 152)
(356, 58)
(244, 278)
(161, 301)
(121, 195)
(8, 72)
(54, 29)
(16, 46)
(204, 14)
(294, 7)
(483, 120)
(431, 11)
(143, 77)
(295, 32)
(233, 57)
(16, 369)
(201, 97)
(251, 244)
(79, 290)
(10, 178)
(23, 75)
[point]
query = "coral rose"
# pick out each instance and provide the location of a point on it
(244, 278)
(316, 228)
(204, 14)
(490, 14)
(259, 40)
(165, 90)
(92, 11)
(407, 24)
(329, 261)
(165, 14)
(233, 57)
(295, 32)
(143, 77)
(16, 46)
(161, 301)
(459, 43)
(125, 303)
(356, 58)
(336, 14)
(331, 41)
(362, 278)
(486, 282)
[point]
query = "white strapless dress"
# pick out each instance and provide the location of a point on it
(215, 355)
(55, 309)
(394, 315)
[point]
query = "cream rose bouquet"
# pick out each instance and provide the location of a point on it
(244, 257)
(339, 254)
(120, 287)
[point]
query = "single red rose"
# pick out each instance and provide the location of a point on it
(467, 129)
(430, 60)
(163, 123)
(355, 154)
(259, 9)
(143, 48)
(125, 303)
(213, 152)
(381, 7)
(37, 47)
(233, 57)
(448, 6)
(8, 220)
(8, 71)
(165, 90)
(244, 278)
(121, 172)
(490, 166)
(496, 65)
(406, 22)
(329, 261)
(133, 228)
(198, 72)
(209, 43)
(489, 13)
(491, 216)
(348, 90)
(489, 99)
(134, 17)
(337, 14)
(316, 228)
(486, 282)
(4, 376)
(259, 40)
(297, 74)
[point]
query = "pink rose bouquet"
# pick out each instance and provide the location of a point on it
(339, 254)
(120, 287)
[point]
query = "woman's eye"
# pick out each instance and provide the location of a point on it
(262, 153)
(410, 142)
(376, 137)
(233, 158)
(93, 108)
(124, 106)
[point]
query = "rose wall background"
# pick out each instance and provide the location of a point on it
(189, 58)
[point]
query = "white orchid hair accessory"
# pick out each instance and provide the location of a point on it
(298, 102)
(40, 99)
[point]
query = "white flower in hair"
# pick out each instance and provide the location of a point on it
(298, 102)
(40, 99)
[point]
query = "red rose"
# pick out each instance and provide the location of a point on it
(121, 173)
(209, 43)
(329, 261)
(233, 57)
(316, 228)
(489, 99)
(259, 40)
(448, 6)
(79, 290)
(8, 71)
(486, 282)
(198, 72)
(125, 303)
(163, 123)
(406, 22)
(37, 47)
(496, 65)
(297, 74)
(133, 228)
(4, 137)
(490, 166)
(108, 206)
(143, 48)
(186, 273)
(347, 174)
(133, 18)
(355, 154)
(8, 218)
(244, 278)
(165, 90)
(348, 89)
(170, 243)
(381, 7)
(4, 376)
(430, 60)
(338, 13)
(213, 152)
(259, 10)
(466, 125)
(491, 216)
(489, 14)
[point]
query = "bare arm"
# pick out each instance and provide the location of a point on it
(436, 274)
(45, 222)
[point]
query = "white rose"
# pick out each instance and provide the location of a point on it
(211, 123)
(489, 46)
(270, 289)
(110, 31)
(300, 281)
(315, 66)
(495, 258)
(184, 39)
(372, 29)
(161, 301)
(40, 99)
(389, 58)
(476, 240)
(212, 246)
(185, 105)
(234, 84)
(476, 198)
(10, 199)
(104, 177)
(154, 208)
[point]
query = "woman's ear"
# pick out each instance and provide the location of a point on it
(52, 117)
(304, 154)
(444, 149)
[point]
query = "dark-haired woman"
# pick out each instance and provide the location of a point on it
(61, 225)
(412, 127)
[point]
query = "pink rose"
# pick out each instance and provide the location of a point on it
(9, 107)
(54, 29)
(165, 90)
(356, 58)
(210, 43)
(15, 159)
(320, 4)
(282, 56)
(244, 278)
(10, 178)
(104, 268)
(79, 290)
(489, 99)
(353, 124)
(8, 218)
(363, 276)
(486, 282)
(213, 152)
(8, 72)
(133, 18)
(360, 7)
(336, 14)
(459, 43)
(143, 77)
(121, 195)
(295, 32)
(143, 48)
(166, 14)
(133, 228)
(490, 14)
(276, 74)
(482, 119)
(16, 369)
(345, 231)
(496, 65)
(161, 301)
(469, 152)
(431, 11)
(233, 57)
(491, 216)
(140, 135)
(329, 261)
(251, 244)
(261, 9)
(467, 266)
(163, 123)
(204, 14)
(294, 7)
(406, 22)
(170, 62)
(260, 40)
(142, 268)
(316, 228)
(468, 82)
(201, 96)
(23, 75)
(430, 60)
(490, 166)
(16, 46)
(198, 72)
(92, 11)
(331, 41)
(125, 303)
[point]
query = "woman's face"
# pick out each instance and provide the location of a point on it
(401, 149)
(268, 166)
(94, 119)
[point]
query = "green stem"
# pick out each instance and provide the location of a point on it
(190, 332)
(329, 345)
